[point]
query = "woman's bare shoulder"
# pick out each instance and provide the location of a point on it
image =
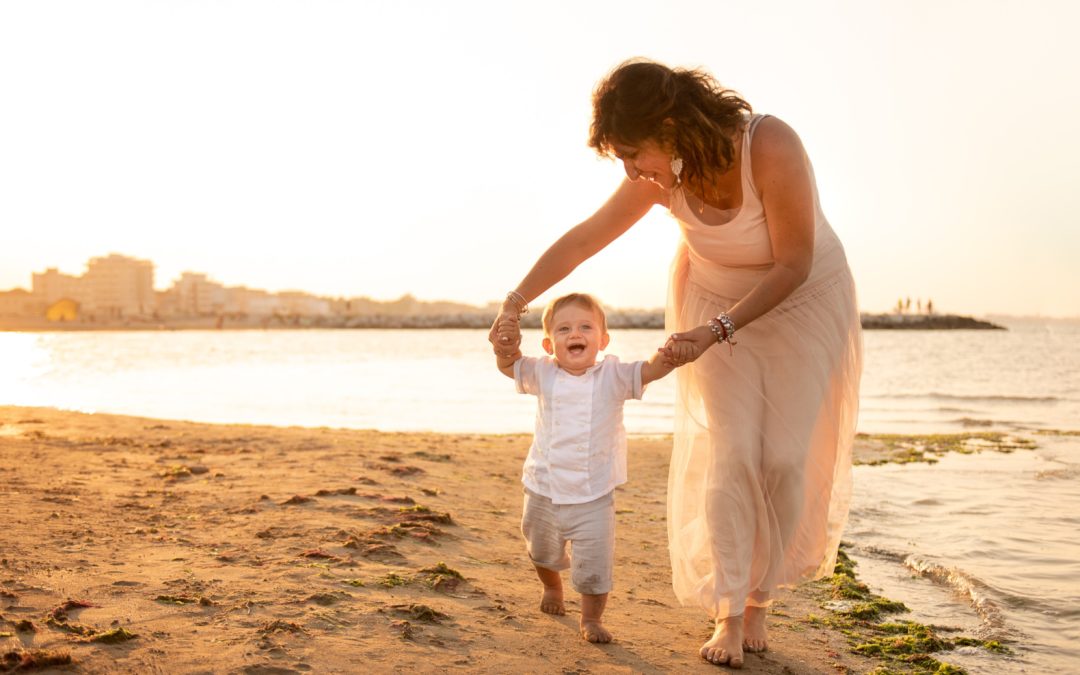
(774, 137)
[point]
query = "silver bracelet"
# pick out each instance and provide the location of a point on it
(716, 328)
(724, 329)
(728, 325)
(519, 301)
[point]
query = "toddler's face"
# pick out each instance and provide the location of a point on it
(577, 335)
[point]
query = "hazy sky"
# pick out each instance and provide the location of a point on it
(363, 148)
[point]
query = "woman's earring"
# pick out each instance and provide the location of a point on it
(676, 168)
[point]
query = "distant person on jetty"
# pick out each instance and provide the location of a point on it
(760, 477)
(578, 454)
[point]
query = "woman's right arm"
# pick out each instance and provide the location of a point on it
(629, 203)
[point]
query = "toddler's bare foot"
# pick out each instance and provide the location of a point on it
(592, 609)
(552, 601)
(755, 635)
(594, 631)
(724, 648)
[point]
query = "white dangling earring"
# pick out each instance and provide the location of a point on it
(676, 168)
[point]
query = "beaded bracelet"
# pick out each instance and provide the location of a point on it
(729, 327)
(519, 301)
(723, 328)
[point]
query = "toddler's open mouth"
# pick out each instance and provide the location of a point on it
(575, 349)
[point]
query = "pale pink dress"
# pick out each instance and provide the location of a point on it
(760, 476)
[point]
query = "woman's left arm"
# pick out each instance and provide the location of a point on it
(782, 176)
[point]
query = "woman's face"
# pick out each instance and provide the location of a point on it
(646, 161)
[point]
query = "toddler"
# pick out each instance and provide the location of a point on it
(578, 454)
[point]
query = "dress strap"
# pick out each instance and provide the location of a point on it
(747, 172)
(754, 122)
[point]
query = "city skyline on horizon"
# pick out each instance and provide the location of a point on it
(920, 302)
(446, 168)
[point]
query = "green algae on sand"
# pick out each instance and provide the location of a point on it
(184, 600)
(422, 613)
(68, 627)
(903, 646)
(1058, 432)
(440, 577)
(281, 626)
(392, 580)
(908, 448)
(32, 659)
(114, 636)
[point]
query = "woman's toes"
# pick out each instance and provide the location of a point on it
(718, 655)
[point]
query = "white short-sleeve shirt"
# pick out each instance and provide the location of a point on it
(578, 452)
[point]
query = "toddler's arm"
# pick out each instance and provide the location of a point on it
(658, 365)
(505, 364)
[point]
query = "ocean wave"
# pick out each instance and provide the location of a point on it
(986, 398)
(881, 552)
(1067, 472)
(968, 585)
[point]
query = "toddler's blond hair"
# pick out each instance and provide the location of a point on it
(582, 300)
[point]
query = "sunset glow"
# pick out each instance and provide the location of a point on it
(351, 149)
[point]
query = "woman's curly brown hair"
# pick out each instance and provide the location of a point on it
(633, 102)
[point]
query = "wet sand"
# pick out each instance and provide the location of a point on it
(249, 549)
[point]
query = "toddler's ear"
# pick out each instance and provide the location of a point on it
(604, 340)
(548, 347)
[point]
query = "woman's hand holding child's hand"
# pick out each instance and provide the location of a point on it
(505, 335)
(683, 348)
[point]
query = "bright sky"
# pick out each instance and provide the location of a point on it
(436, 148)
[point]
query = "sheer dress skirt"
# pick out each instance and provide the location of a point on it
(760, 476)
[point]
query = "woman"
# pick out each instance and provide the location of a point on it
(759, 482)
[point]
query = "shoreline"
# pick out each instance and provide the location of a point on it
(618, 320)
(228, 547)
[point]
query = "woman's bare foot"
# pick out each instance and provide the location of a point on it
(755, 635)
(592, 608)
(551, 602)
(724, 648)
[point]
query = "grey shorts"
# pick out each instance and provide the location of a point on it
(588, 527)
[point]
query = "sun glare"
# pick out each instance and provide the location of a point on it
(21, 358)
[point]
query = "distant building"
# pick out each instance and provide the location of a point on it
(197, 295)
(116, 287)
(52, 285)
(303, 304)
(251, 301)
(19, 302)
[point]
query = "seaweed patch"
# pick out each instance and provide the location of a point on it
(858, 614)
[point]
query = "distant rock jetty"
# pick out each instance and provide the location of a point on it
(925, 322)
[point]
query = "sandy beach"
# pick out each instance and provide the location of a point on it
(139, 545)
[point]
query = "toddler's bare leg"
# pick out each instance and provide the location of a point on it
(552, 600)
(592, 609)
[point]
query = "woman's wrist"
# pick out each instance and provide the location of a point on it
(515, 302)
(723, 328)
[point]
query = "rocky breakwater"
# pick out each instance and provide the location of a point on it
(925, 322)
